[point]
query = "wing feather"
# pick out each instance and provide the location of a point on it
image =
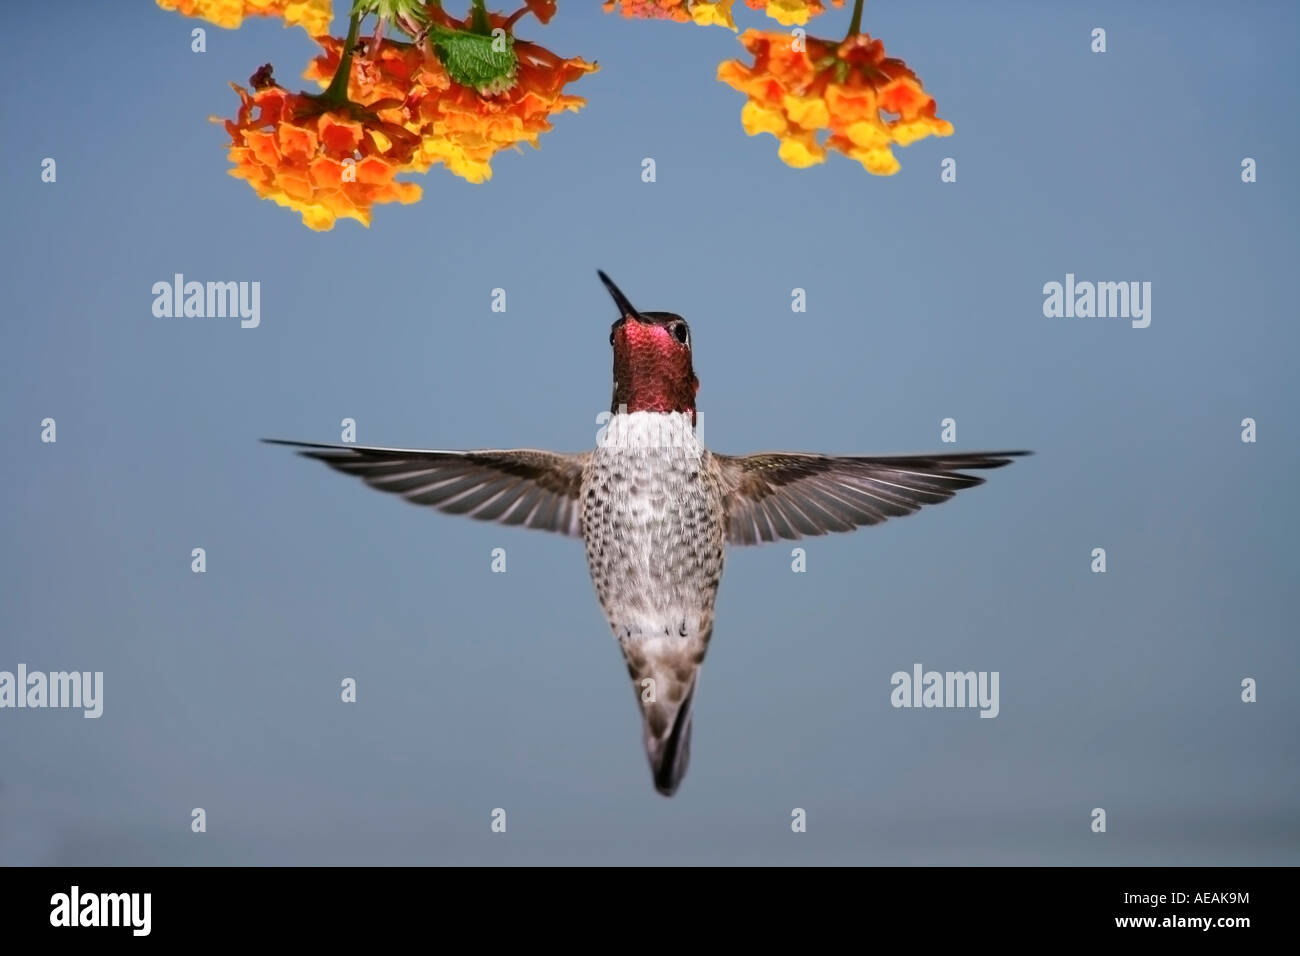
(522, 486)
(788, 495)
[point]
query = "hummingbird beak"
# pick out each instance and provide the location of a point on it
(625, 307)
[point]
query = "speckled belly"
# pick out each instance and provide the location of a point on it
(652, 521)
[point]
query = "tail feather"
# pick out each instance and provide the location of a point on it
(665, 679)
(670, 753)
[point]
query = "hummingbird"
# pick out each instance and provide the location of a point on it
(657, 510)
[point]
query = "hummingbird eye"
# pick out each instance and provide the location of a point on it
(681, 333)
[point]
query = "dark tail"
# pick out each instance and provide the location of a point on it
(665, 689)
(670, 754)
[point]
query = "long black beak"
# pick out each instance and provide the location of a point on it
(625, 307)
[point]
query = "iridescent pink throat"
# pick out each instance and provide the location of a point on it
(652, 370)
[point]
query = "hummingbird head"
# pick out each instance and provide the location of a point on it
(652, 359)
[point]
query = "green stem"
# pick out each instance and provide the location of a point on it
(337, 92)
(855, 25)
(479, 22)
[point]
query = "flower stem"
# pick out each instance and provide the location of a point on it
(337, 92)
(479, 21)
(855, 25)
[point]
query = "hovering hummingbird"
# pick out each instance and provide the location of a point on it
(656, 509)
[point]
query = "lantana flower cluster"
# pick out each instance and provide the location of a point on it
(427, 89)
(815, 96)
(455, 124)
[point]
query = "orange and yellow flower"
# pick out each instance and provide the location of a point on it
(456, 125)
(791, 13)
(392, 82)
(543, 10)
(704, 12)
(312, 15)
(325, 164)
(861, 101)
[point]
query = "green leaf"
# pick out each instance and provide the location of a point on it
(485, 62)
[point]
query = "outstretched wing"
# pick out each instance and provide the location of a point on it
(536, 489)
(789, 495)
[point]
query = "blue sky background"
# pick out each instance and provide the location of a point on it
(481, 690)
